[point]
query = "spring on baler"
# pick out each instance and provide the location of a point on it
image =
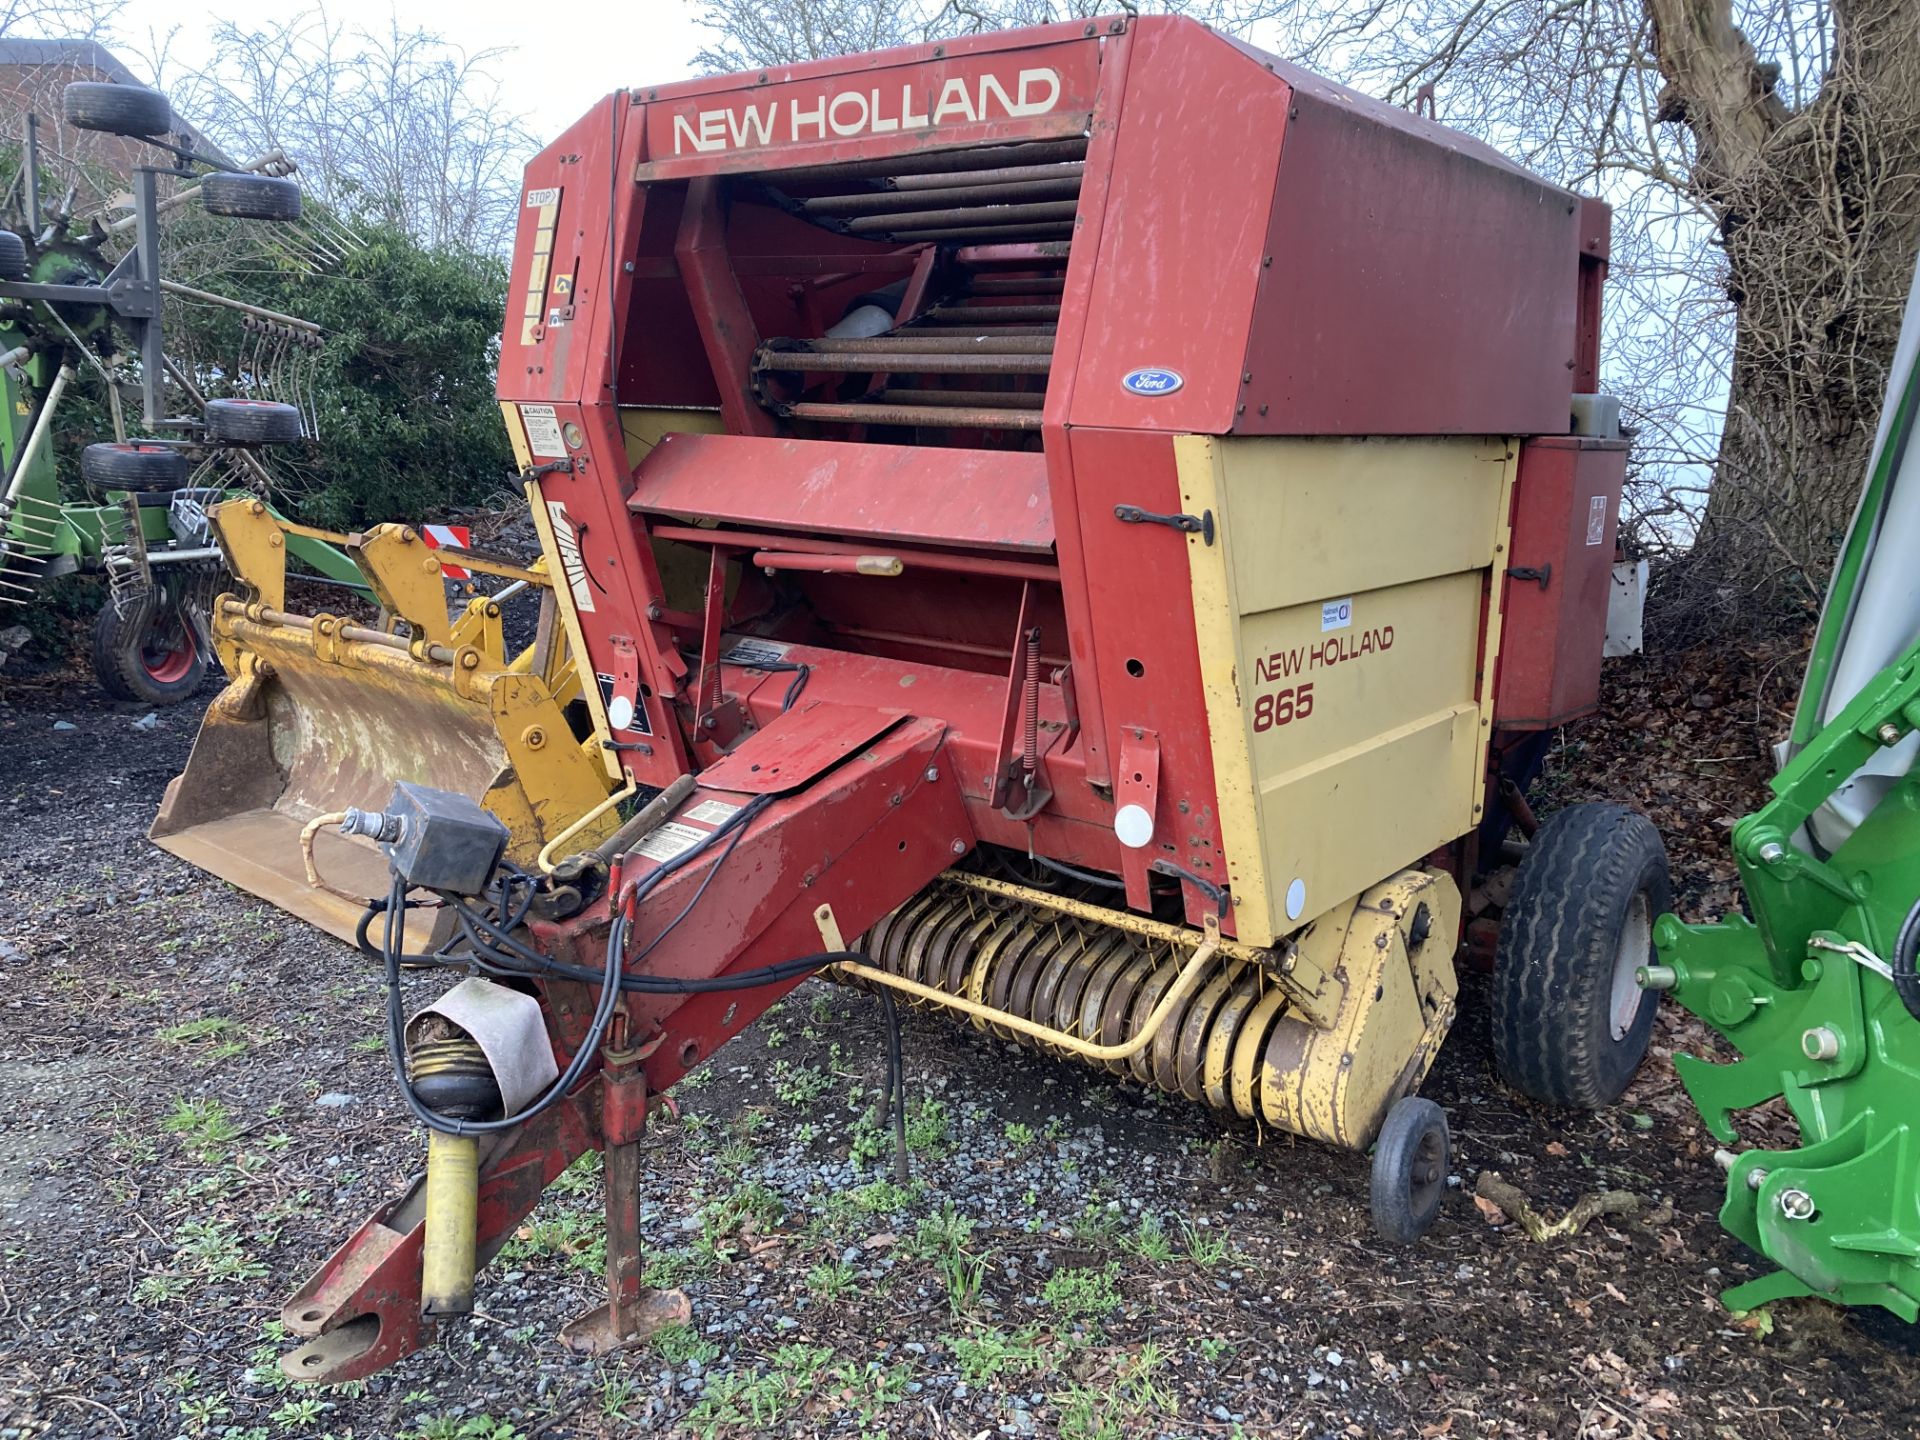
(1058, 967)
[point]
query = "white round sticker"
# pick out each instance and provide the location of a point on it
(620, 712)
(1133, 825)
(1296, 898)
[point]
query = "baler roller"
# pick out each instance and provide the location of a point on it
(1033, 232)
(1054, 186)
(989, 399)
(1016, 285)
(971, 216)
(1098, 983)
(1006, 175)
(992, 158)
(996, 344)
(905, 361)
(989, 314)
(953, 417)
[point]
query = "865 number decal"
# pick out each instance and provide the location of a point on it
(1282, 707)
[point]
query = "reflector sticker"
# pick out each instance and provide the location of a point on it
(570, 561)
(458, 536)
(1152, 380)
(545, 204)
(712, 812)
(543, 431)
(754, 652)
(670, 840)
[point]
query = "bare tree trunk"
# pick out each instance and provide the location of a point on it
(1817, 216)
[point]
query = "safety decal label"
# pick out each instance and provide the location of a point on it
(548, 196)
(570, 561)
(1596, 519)
(669, 840)
(635, 716)
(754, 652)
(712, 812)
(1336, 614)
(543, 431)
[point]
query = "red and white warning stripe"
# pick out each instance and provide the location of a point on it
(458, 536)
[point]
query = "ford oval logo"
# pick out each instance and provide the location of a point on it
(1152, 380)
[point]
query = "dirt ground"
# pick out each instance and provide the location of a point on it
(199, 1109)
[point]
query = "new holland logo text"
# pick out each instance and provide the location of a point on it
(875, 110)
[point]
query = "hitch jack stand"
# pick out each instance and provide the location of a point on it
(632, 1311)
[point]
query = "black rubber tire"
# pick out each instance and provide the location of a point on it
(250, 197)
(143, 469)
(252, 422)
(116, 109)
(13, 256)
(1593, 881)
(1411, 1158)
(150, 654)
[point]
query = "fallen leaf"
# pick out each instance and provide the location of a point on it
(1555, 1148)
(1491, 1212)
(880, 1241)
(1614, 1291)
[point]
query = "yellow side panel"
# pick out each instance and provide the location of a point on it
(1340, 622)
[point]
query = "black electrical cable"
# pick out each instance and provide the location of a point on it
(1906, 963)
(577, 1068)
(433, 960)
(1075, 873)
(1206, 887)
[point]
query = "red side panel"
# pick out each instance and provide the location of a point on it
(1566, 503)
(1148, 661)
(1186, 205)
(1419, 284)
(993, 499)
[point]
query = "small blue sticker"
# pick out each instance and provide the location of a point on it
(1152, 380)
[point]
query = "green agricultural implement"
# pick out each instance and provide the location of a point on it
(1818, 991)
(66, 307)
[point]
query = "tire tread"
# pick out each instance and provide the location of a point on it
(1553, 969)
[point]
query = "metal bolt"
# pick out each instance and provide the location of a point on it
(1889, 734)
(469, 660)
(1656, 977)
(533, 737)
(959, 847)
(1820, 1043)
(933, 774)
(1796, 1205)
(1772, 852)
(1756, 1177)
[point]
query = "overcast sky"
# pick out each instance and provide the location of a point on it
(559, 58)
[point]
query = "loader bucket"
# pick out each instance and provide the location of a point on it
(322, 714)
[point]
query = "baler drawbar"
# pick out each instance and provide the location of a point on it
(1096, 513)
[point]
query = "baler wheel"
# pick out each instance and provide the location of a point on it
(148, 653)
(1570, 1022)
(1410, 1162)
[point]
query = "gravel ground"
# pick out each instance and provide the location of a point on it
(199, 1110)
